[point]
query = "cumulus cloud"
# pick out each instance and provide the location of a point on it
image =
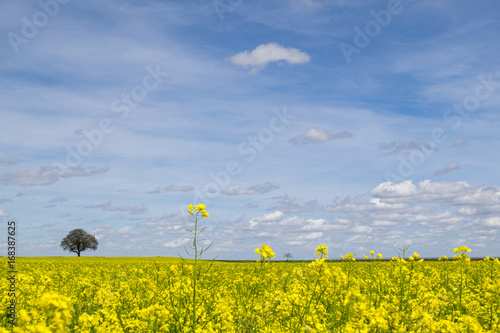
(263, 54)
(269, 217)
(255, 189)
(315, 224)
(392, 213)
(457, 194)
(388, 189)
(467, 210)
(492, 221)
(267, 220)
(314, 135)
(46, 175)
(434, 208)
(446, 169)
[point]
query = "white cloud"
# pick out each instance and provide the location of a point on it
(263, 54)
(384, 223)
(492, 221)
(47, 175)
(255, 189)
(127, 230)
(467, 210)
(3, 213)
(314, 135)
(29, 177)
(446, 169)
(434, 192)
(292, 221)
(384, 205)
(315, 224)
(388, 189)
(362, 229)
(178, 188)
(270, 217)
(177, 243)
(313, 235)
(108, 206)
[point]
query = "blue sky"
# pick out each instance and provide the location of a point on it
(366, 125)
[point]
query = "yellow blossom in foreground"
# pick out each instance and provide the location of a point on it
(194, 210)
(265, 253)
(322, 251)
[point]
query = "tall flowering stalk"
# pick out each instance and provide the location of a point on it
(198, 212)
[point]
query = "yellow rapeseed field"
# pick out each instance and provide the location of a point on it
(155, 295)
(176, 295)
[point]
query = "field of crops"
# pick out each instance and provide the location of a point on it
(156, 295)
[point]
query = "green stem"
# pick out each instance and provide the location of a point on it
(194, 270)
(461, 277)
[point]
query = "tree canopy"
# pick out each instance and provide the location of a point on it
(78, 240)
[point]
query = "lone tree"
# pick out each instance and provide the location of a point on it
(78, 240)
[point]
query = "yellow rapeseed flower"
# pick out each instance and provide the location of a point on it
(322, 251)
